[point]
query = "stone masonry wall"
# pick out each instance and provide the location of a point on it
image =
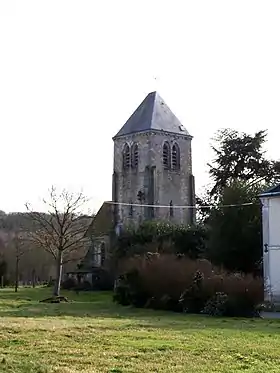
(173, 185)
(167, 185)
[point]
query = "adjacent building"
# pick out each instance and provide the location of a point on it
(271, 242)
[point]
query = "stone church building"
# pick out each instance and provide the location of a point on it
(152, 175)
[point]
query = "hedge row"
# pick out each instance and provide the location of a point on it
(175, 283)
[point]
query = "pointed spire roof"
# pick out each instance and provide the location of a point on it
(152, 114)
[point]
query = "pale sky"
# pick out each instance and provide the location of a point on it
(72, 72)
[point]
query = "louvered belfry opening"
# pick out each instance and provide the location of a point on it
(135, 156)
(126, 157)
(166, 156)
(175, 157)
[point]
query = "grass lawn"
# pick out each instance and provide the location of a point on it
(91, 334)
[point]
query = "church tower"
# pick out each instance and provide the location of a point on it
(153, 167)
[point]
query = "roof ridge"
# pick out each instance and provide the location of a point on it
(154, 105)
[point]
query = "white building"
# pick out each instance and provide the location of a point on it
(271, 242)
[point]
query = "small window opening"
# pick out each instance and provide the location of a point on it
(166, 156)
(126, 157)
(175, 157)
(135, 156)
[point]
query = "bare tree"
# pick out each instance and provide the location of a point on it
(19, 252)
(18, 244)
(61, 229)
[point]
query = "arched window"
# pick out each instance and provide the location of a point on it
(134, 156)
(126, 157)
(166, 156)
(175, 157)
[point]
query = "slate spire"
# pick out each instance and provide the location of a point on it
(152, 114)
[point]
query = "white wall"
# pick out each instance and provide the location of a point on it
(271, 240)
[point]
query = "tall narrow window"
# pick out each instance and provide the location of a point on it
(171, 210)
(102, 254)
(175, 157)
(166, 156)
(134, 156)
(126, 157)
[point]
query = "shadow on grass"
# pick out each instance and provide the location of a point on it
(26, 303)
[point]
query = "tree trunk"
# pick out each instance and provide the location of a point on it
(33, 278)
(58, 274)
(2, 282)
(17, 274)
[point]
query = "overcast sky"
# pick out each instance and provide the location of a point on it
(72, 72)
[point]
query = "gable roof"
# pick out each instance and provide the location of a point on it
(272, 192)
(103, 222)
(152, 114)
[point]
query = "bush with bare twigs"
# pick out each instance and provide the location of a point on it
(183, 285)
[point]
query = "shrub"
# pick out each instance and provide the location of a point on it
(244, 294)
(157, 274)
(161, 278)
(266, 306)
(122, 291)
(129, 290)
(194, 297)
(51, 283)
(85, 285)
(226, 295)
(69, 284)
(216, 305)
(175, 283)
(166, 302)
(162, 237)
(222, 304)
(102, 280)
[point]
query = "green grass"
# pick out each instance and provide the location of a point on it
(91, 334)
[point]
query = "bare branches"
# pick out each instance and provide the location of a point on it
(63, 227)
(19, 245)
(43, 240)
(61, 230)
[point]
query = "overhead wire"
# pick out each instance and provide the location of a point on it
(179, 206)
